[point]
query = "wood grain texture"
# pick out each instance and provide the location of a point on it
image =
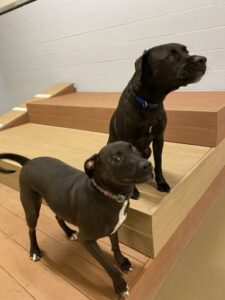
(175, 206)
(16, 118)
(156, 271)
(193, 117)
(13, 118)
(59, 273)
(10, 288)
(75, 146)
(61, 257)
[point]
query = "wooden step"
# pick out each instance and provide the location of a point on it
(153, 219)
(18, 115)
(67, 271)
(196, 118)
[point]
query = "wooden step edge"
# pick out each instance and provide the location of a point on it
(19, 115)
(157, 270)
(185, 195)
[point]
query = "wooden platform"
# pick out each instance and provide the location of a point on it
(151, 220)
(67, 271)
(18, 115)
(158, 225)
(196, 118)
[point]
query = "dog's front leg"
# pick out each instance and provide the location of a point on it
(122, 261)
(158, 143)
(119, 283)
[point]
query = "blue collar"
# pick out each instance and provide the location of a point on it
(142, 102)
(145, 104)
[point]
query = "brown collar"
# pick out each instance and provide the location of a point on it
(118, 198)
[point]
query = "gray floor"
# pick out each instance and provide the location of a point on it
(200, 271)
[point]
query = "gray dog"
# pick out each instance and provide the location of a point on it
(97, 202)
(140, 117)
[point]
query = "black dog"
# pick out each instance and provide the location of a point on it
(140, 117)
(96, 203)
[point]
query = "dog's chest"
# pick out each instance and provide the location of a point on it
(122, 216)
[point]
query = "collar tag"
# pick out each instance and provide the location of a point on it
(145, 104)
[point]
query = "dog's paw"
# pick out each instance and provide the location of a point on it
(126, 266)
(125, 294)
(73, 236)
(136, 194)
(35, 255)
(121, 287)
(163, 187)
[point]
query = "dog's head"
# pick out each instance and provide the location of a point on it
(118, 164)
(168, 67)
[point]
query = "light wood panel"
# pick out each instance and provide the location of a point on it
(156, 271)
(183, 164)
(10, 288)
(193, 117)
(62, 257)
(75, 266)
(18, 115)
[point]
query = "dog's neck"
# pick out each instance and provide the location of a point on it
(142, 98)
(147, 91)
(113, 191)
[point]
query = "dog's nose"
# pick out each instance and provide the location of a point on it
(145, 165)
(199, 59)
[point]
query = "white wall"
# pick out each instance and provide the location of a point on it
(5, 104)
(94, 42)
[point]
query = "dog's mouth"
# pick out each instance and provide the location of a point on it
(136, 180)
(193, 73)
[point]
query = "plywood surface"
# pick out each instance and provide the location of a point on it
(75, 146)
(66, 270)
(199, 273)
(193, 117)
(18, 115)
(185, 101)
(108, 100)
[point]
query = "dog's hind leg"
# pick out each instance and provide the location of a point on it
(31, 202)
(71, 234)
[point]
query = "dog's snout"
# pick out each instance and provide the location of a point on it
(198, 59)
(145, 165)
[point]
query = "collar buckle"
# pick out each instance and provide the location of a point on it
(145, 104)
(118, 198)
(121, 198)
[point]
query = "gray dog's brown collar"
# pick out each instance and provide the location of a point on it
(118, 198)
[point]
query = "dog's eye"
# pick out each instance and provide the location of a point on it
(116, 158)
(132, 148)
(171, 57)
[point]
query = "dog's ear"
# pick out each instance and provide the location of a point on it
(139, 65)
(89, 165)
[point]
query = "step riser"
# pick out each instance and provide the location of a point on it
(193, 119)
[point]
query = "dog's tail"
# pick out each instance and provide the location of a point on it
(22, 160)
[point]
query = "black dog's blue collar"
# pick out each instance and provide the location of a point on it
(142, 102)
(145, 104)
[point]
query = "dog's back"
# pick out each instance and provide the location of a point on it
(52, 180)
